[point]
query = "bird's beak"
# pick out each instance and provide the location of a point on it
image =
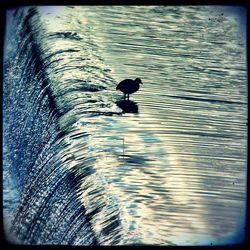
(141, 83)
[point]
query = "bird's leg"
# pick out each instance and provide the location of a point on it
(128, 97)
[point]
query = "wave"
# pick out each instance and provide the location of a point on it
(53, 194)
(82, 167)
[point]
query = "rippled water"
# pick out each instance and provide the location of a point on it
(170, 167)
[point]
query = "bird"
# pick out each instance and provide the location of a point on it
(129, 86)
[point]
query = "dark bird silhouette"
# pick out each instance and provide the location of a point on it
(129, 86)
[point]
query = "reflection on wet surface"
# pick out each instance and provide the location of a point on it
(169, 165)
(127, 106)
(177, 180)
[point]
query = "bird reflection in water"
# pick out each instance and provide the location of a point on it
(128, 106)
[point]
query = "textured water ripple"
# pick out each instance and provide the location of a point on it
(169, 168)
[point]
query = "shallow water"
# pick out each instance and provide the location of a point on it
(170, 167)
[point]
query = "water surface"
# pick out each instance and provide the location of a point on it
(171, 167)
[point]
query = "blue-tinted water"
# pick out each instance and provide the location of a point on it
(80, 168)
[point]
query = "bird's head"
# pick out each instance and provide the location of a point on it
(138, 80)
